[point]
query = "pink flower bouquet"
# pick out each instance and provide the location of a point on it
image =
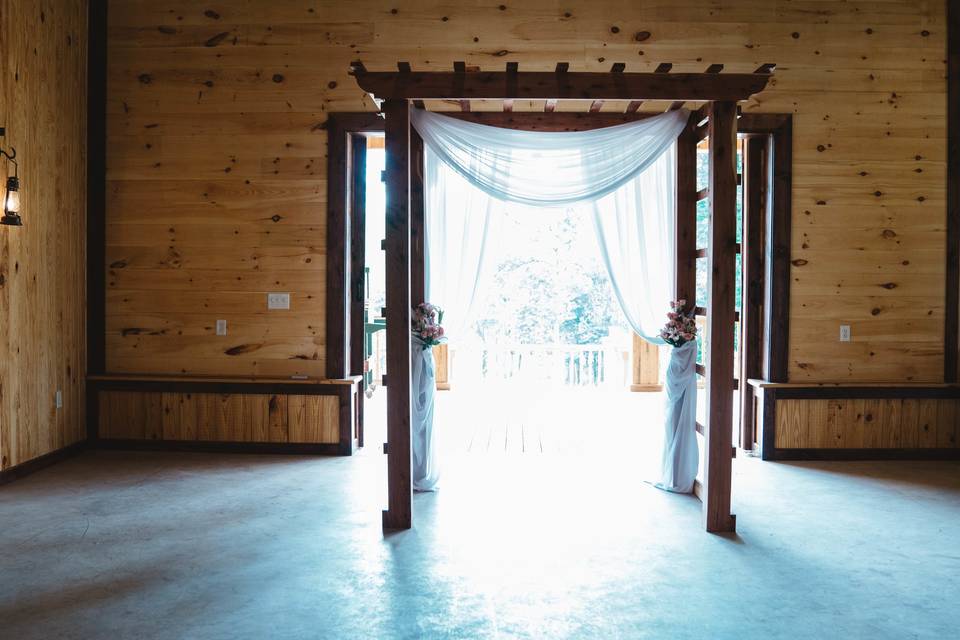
(681, 326)
(426, 327)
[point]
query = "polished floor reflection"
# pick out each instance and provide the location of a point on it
(563, 544)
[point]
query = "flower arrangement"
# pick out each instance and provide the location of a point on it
(681, 326)
(425, 323)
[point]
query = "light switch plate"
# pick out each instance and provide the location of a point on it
(844, 333)
(221, 327)
(58, 399)
(278, 301)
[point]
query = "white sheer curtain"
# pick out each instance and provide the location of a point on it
(635, 228)
(624, 175)
(457, 221)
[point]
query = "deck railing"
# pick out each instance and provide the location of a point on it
(577, 365)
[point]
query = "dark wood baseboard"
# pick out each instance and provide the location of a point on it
(284, 448)
(783, 455)
(44, 461)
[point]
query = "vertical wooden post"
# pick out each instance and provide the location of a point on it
(718, 434)
(399, 454)
(646, 366)
(685, 282)
(357, 225)
(755, 198)
(418, 274)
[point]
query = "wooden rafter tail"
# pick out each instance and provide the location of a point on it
(357, 68)
(767, 67)
(596, 106)
(512, 68)
(676, 105)
(634, 106)
(551, 104)
(618, 67)
(404, 67)
(664, 67)
(714, 68)
(464, 105)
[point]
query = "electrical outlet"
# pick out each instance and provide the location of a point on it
(58, 399)
(221, 327)
(278, 301)
(844, 333)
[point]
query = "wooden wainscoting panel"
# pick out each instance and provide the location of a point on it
(946, 423)
(910, 423)
(277, 424)
(872, 425)
(314, 419)
(927, 429)
(792, 423)
(891, 423)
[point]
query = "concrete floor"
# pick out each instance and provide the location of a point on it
(160, 545)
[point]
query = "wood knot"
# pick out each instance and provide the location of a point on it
(889, 233)
(278, 77)
(217, 39)
(167, 30)
(875, 311)
(243, 348)
(213, 15)
(614, 29)
(144, 78)
(641, 36)
(889, 285)
(799, 262)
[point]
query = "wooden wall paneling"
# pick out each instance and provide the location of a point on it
(256, 412)
(441, 355)
(645, 365)
(399, 511)
(717, 466)
(837, 78)
(418, 270)
(313, 419)
(43, 96)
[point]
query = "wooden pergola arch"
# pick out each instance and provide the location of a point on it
(397, 91)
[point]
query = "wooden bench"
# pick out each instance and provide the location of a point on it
(798, 421)
(225, 414)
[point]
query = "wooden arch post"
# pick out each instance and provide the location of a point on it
(398, 89)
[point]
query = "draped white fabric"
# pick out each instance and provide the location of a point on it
(548, 168)
(680, 455)
(624, 176)
(457, 220)
(426, 468)
(635, 228)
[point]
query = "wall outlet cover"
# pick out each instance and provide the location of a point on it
(58, 399)
(221, 327)
(278, 301)
(844, 333)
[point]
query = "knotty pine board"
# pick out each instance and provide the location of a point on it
(867, 424)
(216, 121)
(43, 58)
(215, 417)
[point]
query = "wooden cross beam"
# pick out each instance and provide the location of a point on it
(558, 85)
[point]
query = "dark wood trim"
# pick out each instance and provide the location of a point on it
(865, 392)
(535, 85)
(550, 120)
(340, 276)
(356, 227)
(776, 259)
(718, 437)
(685, 279)
(751, 283)
(224, 387)
(286, 448)
(399, 514)
(96, 185)
(866, 454)
(418, 238)
(41, 462)
(767, 421)
(951, 342)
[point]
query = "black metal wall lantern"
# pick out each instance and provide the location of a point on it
(11, 196)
